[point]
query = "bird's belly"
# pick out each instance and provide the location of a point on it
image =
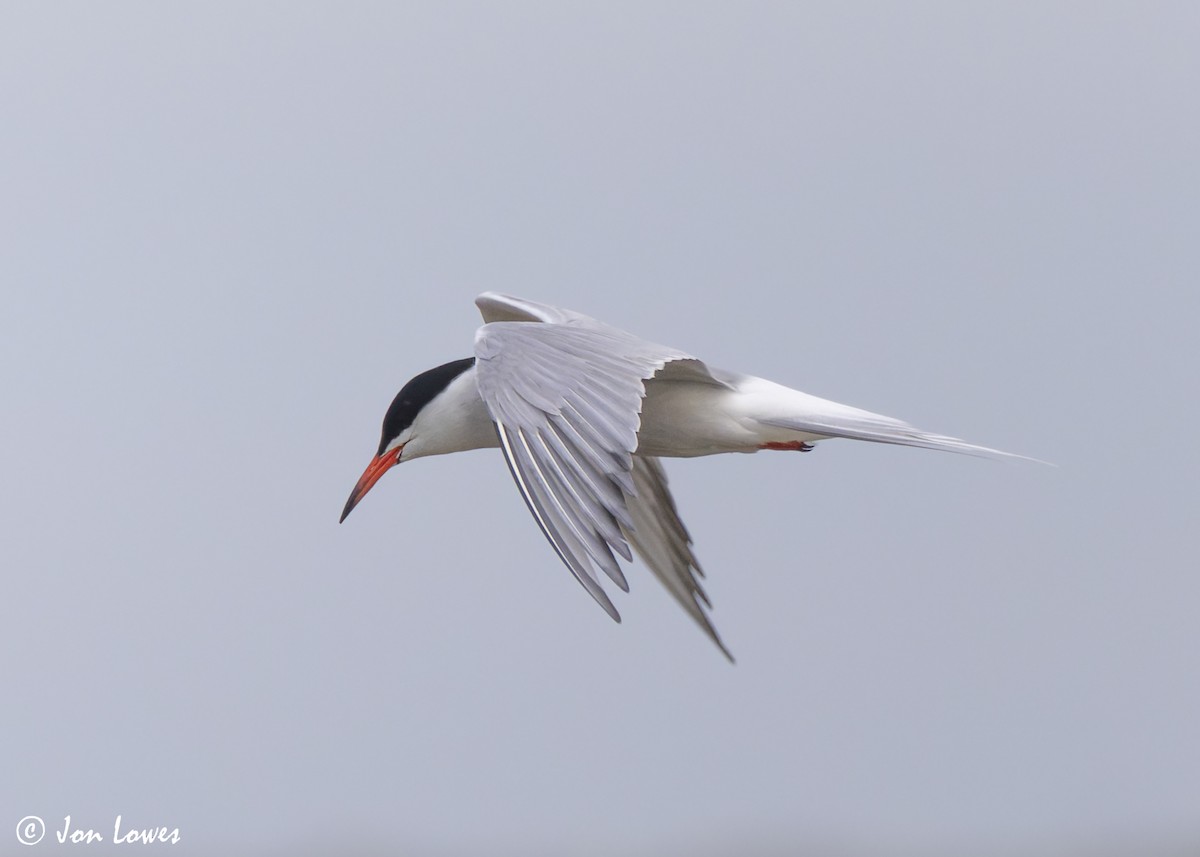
(686, 419)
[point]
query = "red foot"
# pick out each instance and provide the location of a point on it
(793, 445)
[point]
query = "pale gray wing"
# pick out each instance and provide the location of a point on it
(566, 401)
(494, 306)
(663, 542)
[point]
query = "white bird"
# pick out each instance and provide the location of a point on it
(583, 412)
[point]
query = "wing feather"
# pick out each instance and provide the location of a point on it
(565, 393)
(590, 523)
(663, 543)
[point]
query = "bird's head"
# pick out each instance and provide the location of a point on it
(410, 429)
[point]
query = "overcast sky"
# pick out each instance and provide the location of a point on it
(232, 231)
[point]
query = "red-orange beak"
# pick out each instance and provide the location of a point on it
(379, 465)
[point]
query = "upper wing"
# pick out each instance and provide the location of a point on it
(494, 306)
(566, 398)
(566, 404)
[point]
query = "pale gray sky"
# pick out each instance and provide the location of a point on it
(232, 231)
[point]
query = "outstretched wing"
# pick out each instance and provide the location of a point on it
(566, 395)
(565, 402)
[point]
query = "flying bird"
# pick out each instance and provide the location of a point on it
(583, 413)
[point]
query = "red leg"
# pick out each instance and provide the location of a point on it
(793, 445)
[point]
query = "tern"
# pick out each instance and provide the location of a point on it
(583, 412)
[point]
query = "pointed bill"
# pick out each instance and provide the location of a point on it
(379, 465)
